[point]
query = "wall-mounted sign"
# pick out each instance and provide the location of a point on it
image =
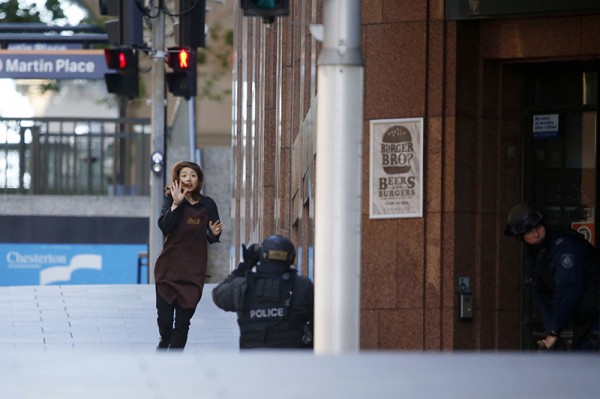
(44, 46)
(545, 126)
(68, 64)
(586, 229)
(66, 264)
(396, 168)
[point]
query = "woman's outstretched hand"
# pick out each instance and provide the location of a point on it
(177, 192)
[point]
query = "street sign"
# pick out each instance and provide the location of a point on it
(68, 64)
(44, 46)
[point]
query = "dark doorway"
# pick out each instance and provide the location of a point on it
(560, 156)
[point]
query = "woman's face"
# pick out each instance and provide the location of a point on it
(188, 178)
(535, 235)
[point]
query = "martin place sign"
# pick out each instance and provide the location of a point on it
(64, 64)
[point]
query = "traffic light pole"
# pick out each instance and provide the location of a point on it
(158, 138)
(192, 128)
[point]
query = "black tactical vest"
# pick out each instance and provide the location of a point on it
(272, 314)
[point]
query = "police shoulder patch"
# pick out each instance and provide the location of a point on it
(567, 261)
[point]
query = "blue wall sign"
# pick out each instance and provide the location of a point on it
(68, 264)
(68, 64)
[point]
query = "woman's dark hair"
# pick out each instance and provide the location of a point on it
(175, 176)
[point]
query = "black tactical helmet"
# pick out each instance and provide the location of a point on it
(521, 219)
(279, 249)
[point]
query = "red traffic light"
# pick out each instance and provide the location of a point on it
(120, 58)
(180, 59)
(183, 59)
(182, 81)
(125, 81)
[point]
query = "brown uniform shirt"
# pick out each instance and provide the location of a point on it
(180, 269)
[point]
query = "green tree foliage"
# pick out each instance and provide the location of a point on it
(15, 11)
(56, 9)
(214, 62)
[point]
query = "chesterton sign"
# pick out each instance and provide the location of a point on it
(67, 64)
(67, 264)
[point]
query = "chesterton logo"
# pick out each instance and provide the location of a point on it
(58, 268)
(17, 260)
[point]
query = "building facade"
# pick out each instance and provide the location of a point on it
(507, 96)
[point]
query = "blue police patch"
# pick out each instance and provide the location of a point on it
(566, 261)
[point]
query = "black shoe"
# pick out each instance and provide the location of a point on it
(162, 345)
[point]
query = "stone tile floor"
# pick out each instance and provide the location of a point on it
(116, 317)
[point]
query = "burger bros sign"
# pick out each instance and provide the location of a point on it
(396, 168)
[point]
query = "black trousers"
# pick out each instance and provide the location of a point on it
(173, 324)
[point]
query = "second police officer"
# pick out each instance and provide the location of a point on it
(564, 269)
(274, 305)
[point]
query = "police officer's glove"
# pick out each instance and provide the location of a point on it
(240, 270)
(251, 255)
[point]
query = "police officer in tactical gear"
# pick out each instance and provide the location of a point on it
(564, 269)
(274, 305)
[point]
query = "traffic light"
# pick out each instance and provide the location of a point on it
(182, 81)
(267, 9)
(125, 82)
(128, 27)
(189, 30)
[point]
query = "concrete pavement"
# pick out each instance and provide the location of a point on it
(102, 317)
(98, 342)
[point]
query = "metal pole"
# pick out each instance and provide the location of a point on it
(338, 181)
(192, 128)
(158, 137)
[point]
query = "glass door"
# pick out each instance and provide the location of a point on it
(562, 168)
(560, 158)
